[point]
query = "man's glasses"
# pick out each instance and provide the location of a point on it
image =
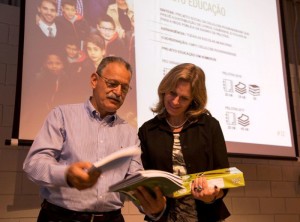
(110, 83)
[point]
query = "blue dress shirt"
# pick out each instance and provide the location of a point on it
(73, 133)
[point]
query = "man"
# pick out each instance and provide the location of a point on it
(72, 138)
(46, 16)
(44, 34)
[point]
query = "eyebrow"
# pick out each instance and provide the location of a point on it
(181, 96)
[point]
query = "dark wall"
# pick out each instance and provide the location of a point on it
(11, 2)
(291, 17)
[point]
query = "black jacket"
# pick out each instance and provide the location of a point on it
(203, 147)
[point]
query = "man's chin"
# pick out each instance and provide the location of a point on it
(115, 102)
(113, 107)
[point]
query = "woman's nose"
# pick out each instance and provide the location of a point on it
(176, 100)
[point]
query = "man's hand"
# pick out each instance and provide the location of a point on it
(77, 175)
(151, 205)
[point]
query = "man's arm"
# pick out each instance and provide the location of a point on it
(41, 163)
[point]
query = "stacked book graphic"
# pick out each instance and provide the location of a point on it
(243, 120)
(254, 90)
(240, 88)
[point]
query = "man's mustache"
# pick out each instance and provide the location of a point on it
(115, 97)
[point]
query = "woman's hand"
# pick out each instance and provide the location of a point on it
(203, 192)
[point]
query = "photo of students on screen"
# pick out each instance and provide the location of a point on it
(81, 33)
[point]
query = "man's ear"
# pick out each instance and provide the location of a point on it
(94, 80)
(98, 27)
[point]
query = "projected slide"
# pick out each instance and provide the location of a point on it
(238, 44)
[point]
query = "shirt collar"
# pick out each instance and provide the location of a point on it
(109, 119)
(43, 25)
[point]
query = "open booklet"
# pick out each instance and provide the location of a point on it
(177, 186)
(168, 183)
(116, 159)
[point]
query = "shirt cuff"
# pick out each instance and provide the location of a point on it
(157, 217)
(58, 175)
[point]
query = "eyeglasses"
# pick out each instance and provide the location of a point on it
(107, 29)
(110, 83)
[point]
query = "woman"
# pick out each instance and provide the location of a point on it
(183, 139)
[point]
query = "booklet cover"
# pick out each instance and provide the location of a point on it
(115, 159)
(222, 178)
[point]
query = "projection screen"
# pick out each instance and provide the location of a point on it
(238, 44)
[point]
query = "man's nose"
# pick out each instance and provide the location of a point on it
(118, 90)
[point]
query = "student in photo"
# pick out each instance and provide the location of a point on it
(93, 9)
(75, 63)
(73, 23)
(74, 56)
(49, 81)
(114, 46)
(79, 7)
(183, 138)
(121, 12)
(95, 50)
(43, 88)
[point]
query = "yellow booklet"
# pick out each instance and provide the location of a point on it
(222, 178)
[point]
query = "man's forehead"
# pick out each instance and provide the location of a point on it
(115, 68)
(48, 4)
